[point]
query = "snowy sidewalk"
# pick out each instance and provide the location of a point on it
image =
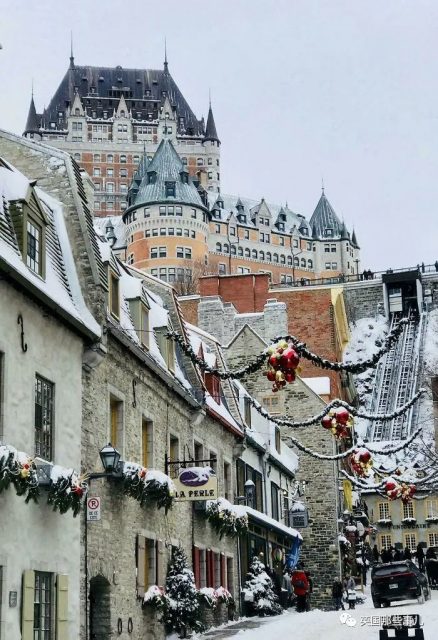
(327, 624)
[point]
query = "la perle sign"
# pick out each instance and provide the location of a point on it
(195, 483)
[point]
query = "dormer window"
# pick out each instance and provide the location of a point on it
(213, 384)
(152, 177)
(329, 232)
(167, 347)
(33, 247)
(170, 189)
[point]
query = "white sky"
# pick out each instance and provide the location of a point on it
(302, 89)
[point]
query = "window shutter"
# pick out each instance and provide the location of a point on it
(223, 571)
(197, 566)
(159, 561)
(210, 568)
(27, 604)
(141, 563)
(62, 608)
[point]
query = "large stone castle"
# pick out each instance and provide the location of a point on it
(155, 169)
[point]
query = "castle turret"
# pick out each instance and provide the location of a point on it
(212, 144)
(33, 122)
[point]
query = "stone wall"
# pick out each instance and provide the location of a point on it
(112, 541)
(363, 299)
(320, 549)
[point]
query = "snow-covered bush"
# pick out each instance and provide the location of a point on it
(182, 608)
(18, 469)
(258, 590)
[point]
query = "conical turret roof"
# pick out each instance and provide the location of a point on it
(210, 131)
(324, 220)
(33, 121)
(166, 167)
(354, 240)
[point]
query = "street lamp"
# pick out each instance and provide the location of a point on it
(110, 458)
(249, 488)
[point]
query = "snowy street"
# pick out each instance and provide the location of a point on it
(328, 626)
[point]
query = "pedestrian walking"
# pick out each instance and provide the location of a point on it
(287, 587)
(375, 554)
(407, 555)
(300, 585)
(337, 593)
(420, 557)
(351, 591)
(309, 593)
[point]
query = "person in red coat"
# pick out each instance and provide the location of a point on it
(300, 584)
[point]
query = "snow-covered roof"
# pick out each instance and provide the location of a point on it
(262, 431)
(60, 283)
(274, 524)
(319, 385)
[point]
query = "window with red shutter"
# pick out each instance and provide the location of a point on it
(197, 566)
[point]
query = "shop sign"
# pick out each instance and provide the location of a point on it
(195, 483)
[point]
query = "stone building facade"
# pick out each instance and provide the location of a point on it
(113, 121)
(297, 401)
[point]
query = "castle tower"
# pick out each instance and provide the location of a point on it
(335, 252)
(212, 145)
(166, 221)
(33, 123)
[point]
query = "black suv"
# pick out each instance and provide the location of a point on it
(398, 581)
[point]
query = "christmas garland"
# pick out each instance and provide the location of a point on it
(148, 485)
(66, 492)
(18, 469)
(281, 422)
(226, 518)
(344, 454)
(213, 597)
(300, 348)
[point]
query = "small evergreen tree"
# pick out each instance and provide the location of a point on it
(182, 607)
(258, 590)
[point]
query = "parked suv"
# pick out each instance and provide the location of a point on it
(398, 581)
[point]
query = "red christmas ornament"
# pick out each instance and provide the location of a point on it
(365, 456)
(78, 491)
(273, 361)
(290, 376)
(390, 485)
(342, 415)
(327, 422)
(270, 375)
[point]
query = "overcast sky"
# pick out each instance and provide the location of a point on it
(344, 90)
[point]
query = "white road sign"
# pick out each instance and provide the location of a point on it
(93, 509)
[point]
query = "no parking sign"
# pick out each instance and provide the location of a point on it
(93, 509)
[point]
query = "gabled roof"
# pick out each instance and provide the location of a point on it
(167, 167)
(324, 217)
(100, 89)
(60, 289)
(210, 131)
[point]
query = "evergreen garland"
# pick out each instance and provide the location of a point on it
(21, 474)
(258, 590)
(226, 518)
(301, 349)
(67, 493)
(182, 609)
(147, 486)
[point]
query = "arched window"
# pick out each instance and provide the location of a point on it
(110, 157)
(296, 262)
(303, 262)
(310, 264)
(247, 253)
(240, 251)
(123, 159)
(289, 261)
(254, 254)
(96, 157)
(226, 248)
(275, 257)
(261, 255)
(218, 246)
(282, 259)
(200, 162)
(233, 249)
(268, 256)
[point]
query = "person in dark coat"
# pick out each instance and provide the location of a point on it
(386, 555)
(375, 554)
(396, 555)
(337, 593)
(420, 557)
(407, 555)
(309, 593)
